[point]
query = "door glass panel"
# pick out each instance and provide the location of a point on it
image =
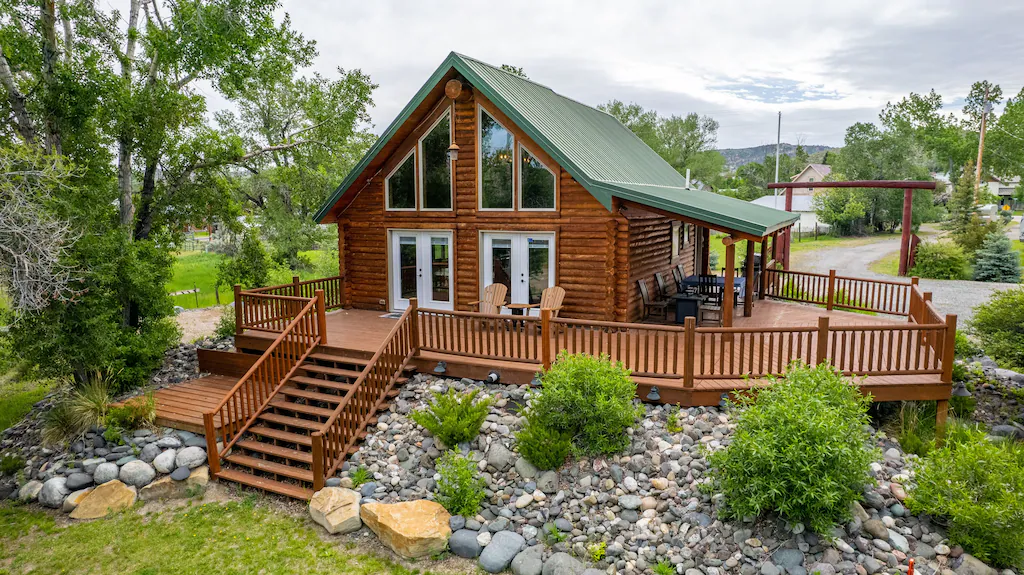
(538, 254)
(439, 280)
(407, 266)
(501, 262)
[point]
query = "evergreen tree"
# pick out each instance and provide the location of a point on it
(996, 260)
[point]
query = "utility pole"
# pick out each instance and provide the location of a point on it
(778, 144)
(981, 145)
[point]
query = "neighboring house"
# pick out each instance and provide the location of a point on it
(544, 191)
(803, 204)
(812, 173)
(1003, 190)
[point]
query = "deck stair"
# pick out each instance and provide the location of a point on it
(274, 454)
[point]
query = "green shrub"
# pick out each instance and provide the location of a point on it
(800, 449)
(940, 260)
(589, 399)
(672, 424)
(360, 476)
(978, 486)
(90, 402)
(597, 551)
(664, 567)
(226, 324)
(11, 464)
(999, 326)
(453, 417)
(460, 489)
(136, 413)
(996, 260)
(541, 446)
(965, 347)
(250, 267)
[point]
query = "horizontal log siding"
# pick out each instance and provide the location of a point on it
(585, 233)
(650, 246)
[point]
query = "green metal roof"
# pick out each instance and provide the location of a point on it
(599, 152)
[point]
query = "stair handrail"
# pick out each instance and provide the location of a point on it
(248, 398)
(403, 336)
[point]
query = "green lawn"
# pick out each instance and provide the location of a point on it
(17, 395)
(888, 265)
(197, 269)
(238, 537)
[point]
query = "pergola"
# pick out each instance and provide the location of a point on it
(908, 199)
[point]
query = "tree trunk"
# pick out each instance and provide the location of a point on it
(144, 221)
(48, 22)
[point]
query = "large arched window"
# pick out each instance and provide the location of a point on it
(435, 168)
(496, 151)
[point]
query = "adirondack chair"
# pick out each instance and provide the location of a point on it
(649, 304)
(551, 298)
(494, 299)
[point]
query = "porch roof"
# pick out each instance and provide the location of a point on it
(604, 156)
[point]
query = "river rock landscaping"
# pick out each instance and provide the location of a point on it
(641, 512)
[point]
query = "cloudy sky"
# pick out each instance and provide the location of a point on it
(824, 64)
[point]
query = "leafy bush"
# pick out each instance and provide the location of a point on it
(996, 260)
(589, 399)
(672, 424)
(453, 417)
(999, 326)
(800, 449)
(978, 486)
(541, 446)
(965, 348)
(136, 413)
(461, 489)
(11, 464)
(250, 267)
(226, 324)
(940, 260)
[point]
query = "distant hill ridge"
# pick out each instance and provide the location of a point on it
(735, 157)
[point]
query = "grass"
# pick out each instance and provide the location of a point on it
(17, 395)
(888, 264)
(238, 537)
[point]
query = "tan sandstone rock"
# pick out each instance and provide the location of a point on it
(107, 498)
(337, 509)
(72, 501)
(167, 488)
(411, 528)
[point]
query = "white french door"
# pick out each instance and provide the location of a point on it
(525, 262)
(421, 267)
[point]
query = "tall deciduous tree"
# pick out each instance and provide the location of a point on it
(286, 186)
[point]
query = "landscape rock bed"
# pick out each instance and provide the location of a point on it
(646, 505)
(1000, 398)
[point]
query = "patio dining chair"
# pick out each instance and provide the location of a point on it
(662, 287)
(660, 306)
(711, 300)
(493, 300)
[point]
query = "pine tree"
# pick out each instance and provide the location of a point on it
(961, 205)
(996, 260)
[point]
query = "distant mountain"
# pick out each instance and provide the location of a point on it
(735, 157)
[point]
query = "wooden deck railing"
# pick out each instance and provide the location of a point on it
(843, 292)
(733, 353)
(250, 396)
(491, 336)
(647, 350)
(270, 308)
(340, 432)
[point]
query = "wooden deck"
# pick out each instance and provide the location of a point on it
(182, 406)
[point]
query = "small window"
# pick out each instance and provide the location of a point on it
(437, 169)
(400, 185)
(496, 150)
(676, 239)
(536, 183)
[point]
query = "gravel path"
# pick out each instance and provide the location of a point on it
(950, 296)
(198, 323)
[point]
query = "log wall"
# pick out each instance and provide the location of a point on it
(650, 252)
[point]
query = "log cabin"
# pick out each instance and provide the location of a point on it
(488, 177)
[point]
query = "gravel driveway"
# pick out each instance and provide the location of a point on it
(949, 296)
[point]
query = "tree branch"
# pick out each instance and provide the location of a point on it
(23, 122)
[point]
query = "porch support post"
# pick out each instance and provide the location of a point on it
(545, 338)
(296, 290)
(728, 294)
(764, 266)
(748, 291)
(237, 305)
(342, 272)
(414, 325)
(705, 247)
(908, 202)
(789, 231)
(321, 316)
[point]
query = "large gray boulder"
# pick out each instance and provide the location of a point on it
(149, 452)
(499, 456)
(105, 472)
(529, 561)
(971, 565)
(548, 482)
(137, 473)
(164, 463)
(30, 490)
(563, 564)
(504, 546)
(190, 457)
(464, 544)
(78, 481)
(53, 492)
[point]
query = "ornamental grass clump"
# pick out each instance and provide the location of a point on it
(800, 449)
(589, 399)
(454, 417)
(977, 486)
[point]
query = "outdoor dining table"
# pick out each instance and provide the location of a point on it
(739, 284)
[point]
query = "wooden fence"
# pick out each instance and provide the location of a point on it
(843, 292)
(490, 336)
(250, 396)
